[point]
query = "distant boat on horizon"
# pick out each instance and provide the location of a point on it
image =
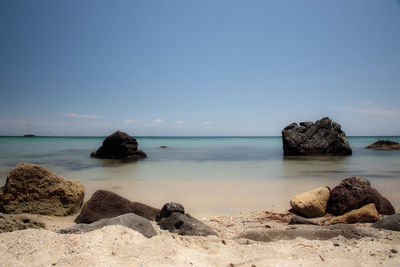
(28, 131)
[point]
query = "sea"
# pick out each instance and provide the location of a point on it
(208, 175)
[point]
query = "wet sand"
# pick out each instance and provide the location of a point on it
(223, 197)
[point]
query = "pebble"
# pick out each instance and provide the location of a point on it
(336, 244)
(393, 250)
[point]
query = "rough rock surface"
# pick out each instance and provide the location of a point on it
(368, 213)
(354, 193)
(312, 203)
(301, 220)
(168, 209)
(106, 204)
(184, 224)
(119, 145)
(391, 222)
(323, 137)
(15, 222)
(129, 220)
(384, 145)
(309, 232)
(35, 189)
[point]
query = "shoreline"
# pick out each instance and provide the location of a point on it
(224, 197)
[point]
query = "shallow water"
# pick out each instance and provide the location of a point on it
(208, 175)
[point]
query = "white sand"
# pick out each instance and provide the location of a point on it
(121, 246)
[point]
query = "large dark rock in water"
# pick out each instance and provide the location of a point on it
(384, 145)
(324, 137)
(106, 204)
(129, 220)
(354, 193)
(391, 222)
(35, 189)
(119, 145)
(173, 218)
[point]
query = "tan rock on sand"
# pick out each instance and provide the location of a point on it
(312, 203)
(368, 213)
(35, 189)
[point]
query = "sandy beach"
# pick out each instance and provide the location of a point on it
(199, 133)
(223, 197)
(122, 246)
(245, 209)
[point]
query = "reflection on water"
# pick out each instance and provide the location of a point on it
(259, 157)
(220, 168)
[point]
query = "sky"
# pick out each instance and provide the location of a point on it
(214, 67)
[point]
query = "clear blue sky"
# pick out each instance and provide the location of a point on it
(198, 67)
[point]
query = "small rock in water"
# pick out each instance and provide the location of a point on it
(384, 145)
(393, 250)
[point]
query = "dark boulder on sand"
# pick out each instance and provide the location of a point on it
(354, 193)
(168, 209)
(129, 220)
(324, 137)
(184, 224)
(106, 204)
(391, 222)
(35, 189)
(384, 145)
(119, 145)
(173, 218)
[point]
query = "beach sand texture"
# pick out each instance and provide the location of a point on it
(121, 246)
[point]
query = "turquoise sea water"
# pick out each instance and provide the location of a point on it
(213, 169)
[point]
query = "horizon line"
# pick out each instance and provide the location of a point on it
(189, 136)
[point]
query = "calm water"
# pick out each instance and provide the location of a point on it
(212, 175)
